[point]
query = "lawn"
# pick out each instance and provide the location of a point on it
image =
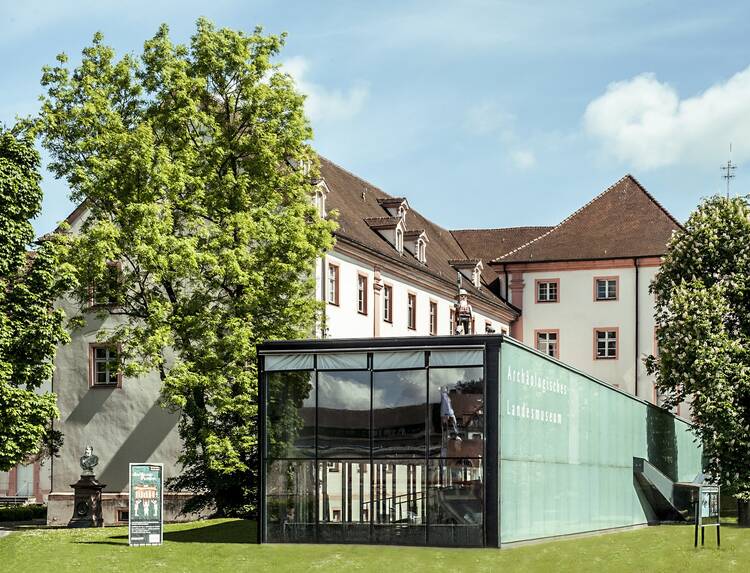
(222, 545)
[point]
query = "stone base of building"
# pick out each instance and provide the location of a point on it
(115, 508)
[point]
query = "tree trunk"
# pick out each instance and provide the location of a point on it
(743, 513)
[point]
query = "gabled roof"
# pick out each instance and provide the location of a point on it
(361, 204)
(489, 244)
(623, 221)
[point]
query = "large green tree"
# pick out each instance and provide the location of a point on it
(195, 163)
(703, 331)
(31, 278)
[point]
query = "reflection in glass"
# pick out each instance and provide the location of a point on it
(456, 412)
(290, 501)
(344, 414)
(344, 501)
(399, 413)
(456, 506)
(291, 415)
(398, 502)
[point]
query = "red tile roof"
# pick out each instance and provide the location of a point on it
(360, 204)
(623, 221)
(489, 244)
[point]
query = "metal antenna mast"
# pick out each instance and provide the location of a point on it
(728, 169)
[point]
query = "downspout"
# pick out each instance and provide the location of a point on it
(637, 352)
(323, 325)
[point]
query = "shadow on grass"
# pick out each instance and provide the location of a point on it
(239, 531)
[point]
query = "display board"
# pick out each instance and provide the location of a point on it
(146, 520)
(567, 444)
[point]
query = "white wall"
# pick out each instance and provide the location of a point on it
(577, 314)
(344, 321)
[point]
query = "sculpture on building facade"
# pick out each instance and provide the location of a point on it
(464, 313)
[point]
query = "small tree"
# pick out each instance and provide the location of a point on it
(193, 161)
(703, 331)
(30, 329)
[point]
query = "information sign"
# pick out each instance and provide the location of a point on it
(146, 522)
(707, 511)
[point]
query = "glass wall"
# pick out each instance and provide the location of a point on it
(385, 447)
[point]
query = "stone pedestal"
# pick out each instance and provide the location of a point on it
(87, 505)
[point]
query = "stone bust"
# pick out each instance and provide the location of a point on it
(88, 461)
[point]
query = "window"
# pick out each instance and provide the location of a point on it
(433, 317)
(476, 276)
(605, 340)
(421, 251)
(399, 240)
(362, 294)
(333, 284)
(388, 303)
(605, 288)
(547, 290)
(106, 292)
(123, 515)
(548, 342)
(453, 321)
(104, 366)
(412, 308)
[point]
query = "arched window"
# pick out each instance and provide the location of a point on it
(399, 240)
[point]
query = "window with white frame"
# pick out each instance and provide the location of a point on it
(362, 294)
(547, 290)
(606, 288)
(399, 240)
(412, 310)
(606, 343)
(387, 303)
(333, 283)
(547, 341)
(105, 365)
(421, 251)
(476, 277)
(433, 317)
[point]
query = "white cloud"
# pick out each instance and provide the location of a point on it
(487, 118)
(323, 104)
(644, 122)
(523, 158)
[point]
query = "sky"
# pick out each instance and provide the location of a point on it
(483, 114)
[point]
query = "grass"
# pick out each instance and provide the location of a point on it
(222, 545)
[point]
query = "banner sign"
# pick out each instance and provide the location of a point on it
(146, 522)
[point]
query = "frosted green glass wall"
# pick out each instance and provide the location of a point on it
(567, 445)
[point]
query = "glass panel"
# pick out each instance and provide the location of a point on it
(344, 501)
(398, 502)
(344, 414)
(456, 412)
(290, 501)
(288, 362)
(393, 360)
(399, 413)
(291, 415)
(456, 357)
(456, 507)
(342, 360)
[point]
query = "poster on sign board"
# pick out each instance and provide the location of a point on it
(146, 521)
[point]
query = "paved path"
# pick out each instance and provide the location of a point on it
(4, 532)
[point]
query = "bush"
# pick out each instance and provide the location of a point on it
(23, 512)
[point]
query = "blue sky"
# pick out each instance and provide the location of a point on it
(483, 114)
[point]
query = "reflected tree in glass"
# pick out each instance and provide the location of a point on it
(291, 415)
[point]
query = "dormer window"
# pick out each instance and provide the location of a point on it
(421, 254)
(469, 268)
(319, 198)
(399, 241)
